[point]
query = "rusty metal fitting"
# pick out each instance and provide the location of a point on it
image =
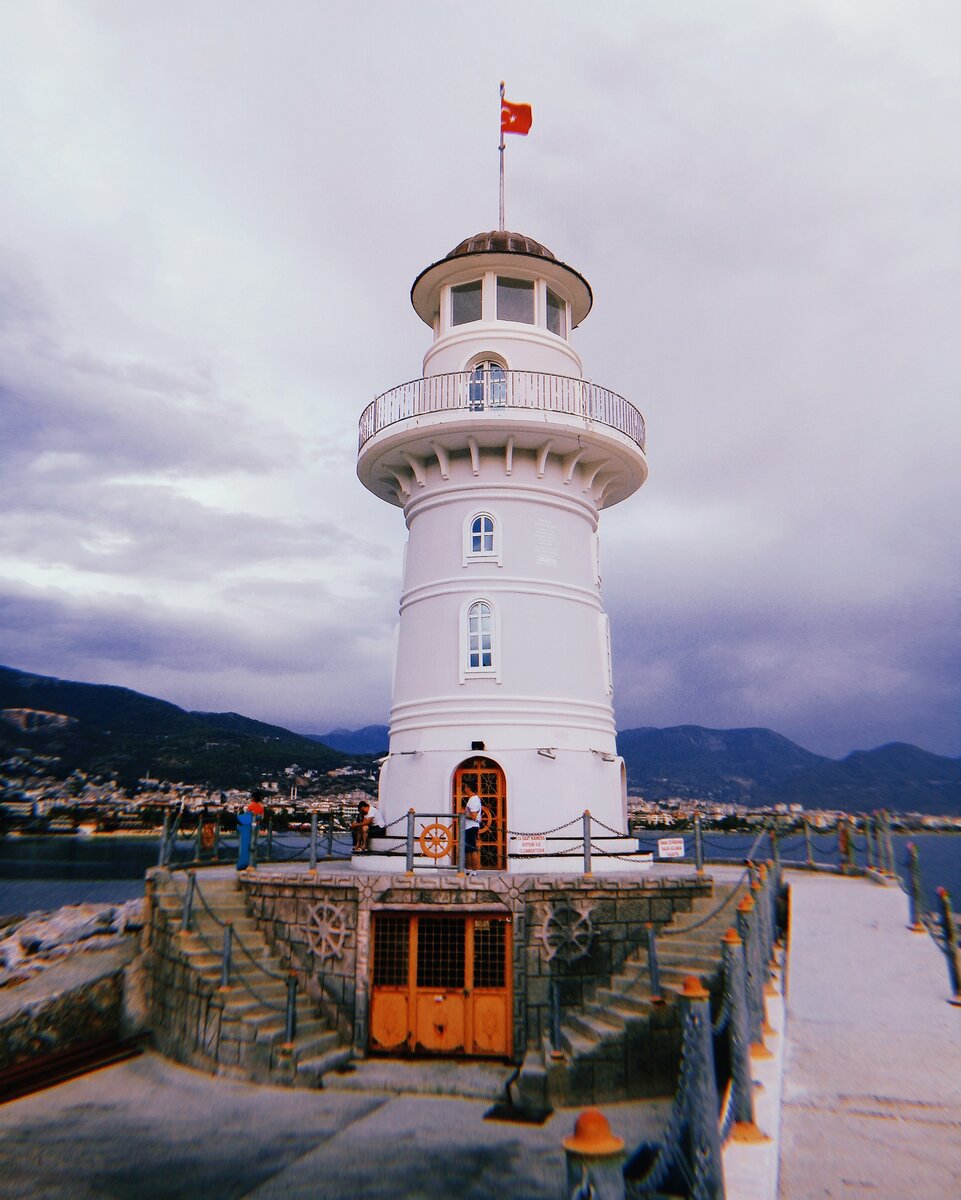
(592, 1136)
(731, 937)
(746, 905)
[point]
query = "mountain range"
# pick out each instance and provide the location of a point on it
(105, 730)
(58, 727)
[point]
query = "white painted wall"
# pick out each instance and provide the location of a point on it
(549, 688)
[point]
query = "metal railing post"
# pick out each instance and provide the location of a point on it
(270, 838)
(914, 890)
(775, 850)
(652, 965)
(808, 850)
(705, 1163)
(330, 838)
(290, 1026)
(198, 837)
(739, 1036)
(950, 933)
(254, 834)
(586, 833)
(226, 956)
(313, 842)
(594, 1159)
(872, 831)
(217, 832)
(410, 841)
(164, 837)
(698, 845)
(746, 927)
(188, 907)
(889, 845)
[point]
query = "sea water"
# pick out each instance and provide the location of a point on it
(43, 873)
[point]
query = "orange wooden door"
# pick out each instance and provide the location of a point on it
(484, 778)
(441, 985)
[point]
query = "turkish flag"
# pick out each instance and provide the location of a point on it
(515, 118)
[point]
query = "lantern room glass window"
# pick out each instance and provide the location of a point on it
(465, 303)
(515, 300)
(556, 314)
(480, 636)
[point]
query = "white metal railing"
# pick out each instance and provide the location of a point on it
(492, 390)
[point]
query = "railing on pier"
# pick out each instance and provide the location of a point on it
(497, 390)
(193, 840)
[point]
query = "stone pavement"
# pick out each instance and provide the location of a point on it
(149, 1129)
(872, 1086)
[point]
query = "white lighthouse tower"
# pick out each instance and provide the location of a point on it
(502, 456)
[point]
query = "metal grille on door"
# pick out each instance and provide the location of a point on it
(441, 985)
(484, 778)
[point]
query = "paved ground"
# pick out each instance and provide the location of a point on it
(872, 1087)
(151, 1130)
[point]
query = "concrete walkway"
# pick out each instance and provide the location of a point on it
(149, 1129)
(872, 1086)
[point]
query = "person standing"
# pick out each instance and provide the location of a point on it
(471, 832)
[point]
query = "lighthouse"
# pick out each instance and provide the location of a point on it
(502, 457)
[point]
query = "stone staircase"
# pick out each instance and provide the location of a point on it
(245, 1026)
(622, 1043)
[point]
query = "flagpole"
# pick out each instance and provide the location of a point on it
(501, 149)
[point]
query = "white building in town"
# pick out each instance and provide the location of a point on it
(502, 456)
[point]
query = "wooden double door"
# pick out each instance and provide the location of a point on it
(441, 985)
(484, 778)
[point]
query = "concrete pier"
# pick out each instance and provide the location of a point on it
(870, 1099)
(872, 1087)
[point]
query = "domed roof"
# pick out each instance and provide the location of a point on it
(501, 242)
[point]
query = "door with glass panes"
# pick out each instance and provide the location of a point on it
(484, 778)
(441, 985)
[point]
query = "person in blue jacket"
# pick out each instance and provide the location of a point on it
(246, 825)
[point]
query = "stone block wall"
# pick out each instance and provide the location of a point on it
(185, 1012)
(62, 1021)
(580, 927)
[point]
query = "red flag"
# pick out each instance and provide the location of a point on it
(515, 118)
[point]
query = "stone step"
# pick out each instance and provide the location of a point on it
(311, 1070)
(310, 1044)
(275, 1029)
(594, 1026)
(634, 1003)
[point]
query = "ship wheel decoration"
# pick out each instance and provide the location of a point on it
(436, 840)
(567, 933)
(327, 931)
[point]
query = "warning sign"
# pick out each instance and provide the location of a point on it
(670, 847)
(532, 843)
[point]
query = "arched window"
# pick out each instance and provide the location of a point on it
(480, 636)
(487, 386)
(482, 534)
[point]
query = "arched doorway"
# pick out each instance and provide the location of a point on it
(483, 777)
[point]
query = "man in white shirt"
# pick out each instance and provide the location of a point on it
(471, 829)
(369, 821)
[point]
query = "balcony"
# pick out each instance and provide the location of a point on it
(496, 390)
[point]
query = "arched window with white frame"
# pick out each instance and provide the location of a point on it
(482, 539)
(480, 636)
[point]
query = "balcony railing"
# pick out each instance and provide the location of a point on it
(496, 390)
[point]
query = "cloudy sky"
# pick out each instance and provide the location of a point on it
(211, 213)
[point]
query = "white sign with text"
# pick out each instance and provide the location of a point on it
(670, 847)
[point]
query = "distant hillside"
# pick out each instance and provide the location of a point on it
(372, 739)
(760, 767)
(113, 730)
(57, 727)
